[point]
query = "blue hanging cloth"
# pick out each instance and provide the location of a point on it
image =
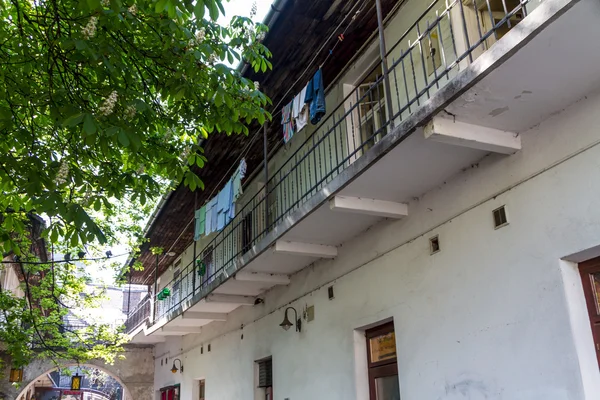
(315, 96)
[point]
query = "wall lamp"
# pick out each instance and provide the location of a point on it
(174, 368)
(16, 375)
(287, 324)
(76, 382)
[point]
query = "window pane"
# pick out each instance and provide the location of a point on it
(387, 388)
(595, 277)
(383, 347)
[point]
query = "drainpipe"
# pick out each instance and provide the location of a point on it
(195, 243)
(384, 64)
(266, 162)
(129, 295)
(155, 289)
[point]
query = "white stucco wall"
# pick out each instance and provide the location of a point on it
(495, 315)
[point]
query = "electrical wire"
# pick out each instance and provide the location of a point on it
(65, 261)
(340, 37)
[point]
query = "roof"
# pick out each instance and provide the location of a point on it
(300, 27)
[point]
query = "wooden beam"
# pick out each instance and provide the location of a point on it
(446, 130)
(305, 249)
(360, 205)
(261, 277)
(230, 299)
(204, 315)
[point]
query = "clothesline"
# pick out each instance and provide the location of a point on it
(220, 210)
(354, 12)
(309, 104)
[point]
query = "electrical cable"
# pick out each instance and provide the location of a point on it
(65, 261)
(340, 37)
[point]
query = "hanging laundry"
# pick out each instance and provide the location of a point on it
(225, 198)
(200, 226)
(300, 110)
(287, 122)
(315, 96)
(237, 191)
(238, 176)
(210, 223)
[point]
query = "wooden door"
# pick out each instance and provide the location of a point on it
(590, 277)
(382, 361)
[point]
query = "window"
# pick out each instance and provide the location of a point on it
(382, 363)
(201, 390)
(176, 285)
(207, 266)
(247, 233)
(590, 277)
(169, 393)
(264, 379)
(371, 109)
(494, 11)
(431, 51)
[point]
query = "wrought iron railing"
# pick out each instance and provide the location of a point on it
(446, 38)
(139, 314)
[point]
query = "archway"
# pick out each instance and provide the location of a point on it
(134, 371)
(33, 387)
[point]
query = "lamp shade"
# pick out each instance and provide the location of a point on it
(174, 368)
(16, 375)
(286, 324)
(76, 382)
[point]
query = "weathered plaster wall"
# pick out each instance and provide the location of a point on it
(486, 318)
(135, 372)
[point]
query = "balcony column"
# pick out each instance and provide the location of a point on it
(384, 64)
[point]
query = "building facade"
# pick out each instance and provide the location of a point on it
(434, 236)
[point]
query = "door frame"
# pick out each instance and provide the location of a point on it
(586, 269)
(379, 369)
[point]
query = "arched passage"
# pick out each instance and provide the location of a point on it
(30, 388)
(134, 371)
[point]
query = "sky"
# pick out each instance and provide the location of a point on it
(243, 7)
(232, 7)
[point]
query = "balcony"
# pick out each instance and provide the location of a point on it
(139, 315)
(465, 79)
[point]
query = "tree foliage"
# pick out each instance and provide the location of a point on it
(104, 104)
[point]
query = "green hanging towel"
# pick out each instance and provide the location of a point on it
(201, 267)
(200, 222)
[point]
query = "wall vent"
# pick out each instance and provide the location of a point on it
(500, 218)
(209, 347)
(201, 349)
(434, 244)
(330, 292)
(265, 373)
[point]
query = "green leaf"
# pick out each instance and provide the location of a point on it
(73, 120)
(199, 9)
(123, 139)
(160, 6)
(212, 9)
(89, 126)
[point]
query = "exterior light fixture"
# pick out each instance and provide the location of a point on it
(16, 375)
(174, 368)
(287, 324)
(76, 382)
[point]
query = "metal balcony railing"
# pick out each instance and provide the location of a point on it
(138, 315)
(446, 38)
